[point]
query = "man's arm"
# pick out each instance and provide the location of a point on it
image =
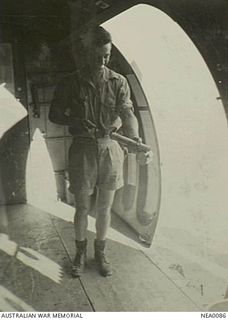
(129, 124)
(125, 109)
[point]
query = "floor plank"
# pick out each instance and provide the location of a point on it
(36, 274)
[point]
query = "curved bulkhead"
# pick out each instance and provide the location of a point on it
(138, 202)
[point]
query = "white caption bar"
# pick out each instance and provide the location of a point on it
(114, 315)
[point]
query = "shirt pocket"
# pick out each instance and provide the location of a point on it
(110, 102)
(110, 108)
(80, 105)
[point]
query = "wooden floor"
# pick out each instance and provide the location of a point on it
(35, 269)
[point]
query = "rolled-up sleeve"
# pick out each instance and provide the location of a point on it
(124, 96)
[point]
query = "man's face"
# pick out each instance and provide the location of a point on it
(98, 57)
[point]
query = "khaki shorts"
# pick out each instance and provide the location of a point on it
(95, 163)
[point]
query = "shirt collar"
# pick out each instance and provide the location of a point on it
(107, 75)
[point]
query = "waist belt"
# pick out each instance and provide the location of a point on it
(99, 134)
(93, 134)
(92, 139)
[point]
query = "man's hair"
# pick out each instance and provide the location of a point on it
(100, 36)
(95, 37)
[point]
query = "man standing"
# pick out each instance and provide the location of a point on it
(94, 101)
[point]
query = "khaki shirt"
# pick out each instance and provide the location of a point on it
(104, 104)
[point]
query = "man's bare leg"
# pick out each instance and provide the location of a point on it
(82, 204)
(103, 211)
(103, 207)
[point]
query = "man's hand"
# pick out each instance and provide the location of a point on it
(134, 149)
(144, 158)
(138, 140)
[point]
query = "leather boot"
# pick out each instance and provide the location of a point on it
(103, 265)
(80, 258)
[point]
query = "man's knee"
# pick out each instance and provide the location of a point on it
(81, 212)
(105, 201)
(82, 208)
(82, 204)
